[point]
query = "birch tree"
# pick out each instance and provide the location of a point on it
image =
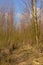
(33, 8)
(34, 17)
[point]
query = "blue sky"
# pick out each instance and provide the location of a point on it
(18, 6)
(5, 3)
(17, 3)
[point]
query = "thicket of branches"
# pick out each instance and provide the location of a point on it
(26, 31)
(23, 43)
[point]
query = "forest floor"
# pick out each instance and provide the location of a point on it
(25, 54)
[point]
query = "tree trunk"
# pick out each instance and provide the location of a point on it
(34, 17)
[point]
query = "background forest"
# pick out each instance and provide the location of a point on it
(21, 43)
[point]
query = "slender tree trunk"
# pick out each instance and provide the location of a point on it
(34, 15)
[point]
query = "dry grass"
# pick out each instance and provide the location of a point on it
(24, 55)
